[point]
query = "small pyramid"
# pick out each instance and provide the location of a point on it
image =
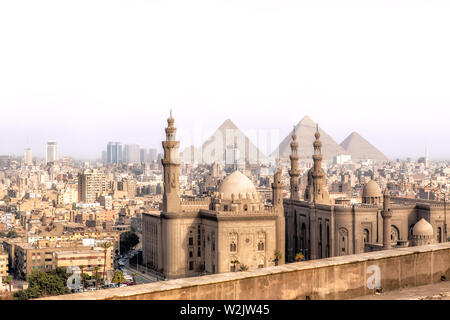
(305, 131)
(361, 149)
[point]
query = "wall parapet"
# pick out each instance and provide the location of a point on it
(332, 278)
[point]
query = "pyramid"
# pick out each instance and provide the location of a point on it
(220, 148)
(305, 131)
(361, 149)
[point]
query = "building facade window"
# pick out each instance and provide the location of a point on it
(439, 235)
(366, 236)
(261, 246)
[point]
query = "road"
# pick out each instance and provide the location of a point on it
(140, 277)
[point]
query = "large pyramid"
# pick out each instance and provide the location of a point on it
(361, 149)
(305, 131)
(227, 145)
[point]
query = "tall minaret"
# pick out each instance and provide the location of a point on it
(277, 198)
(171, 198)
(387, 215)
(427, 161)
(294, 172)
(316, 191)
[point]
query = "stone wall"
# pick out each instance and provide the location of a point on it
(333, 278)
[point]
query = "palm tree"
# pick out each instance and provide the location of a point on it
(243, 267)
(82, 276)
(118, 277)
(105, 245)
(9, 280)
(234, 263)
(96, 276)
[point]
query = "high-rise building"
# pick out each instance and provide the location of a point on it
(144, 156)
(114, 153)
(132, 153)
(152, 155)
(52, 151)
(28, 157)
(91, 185)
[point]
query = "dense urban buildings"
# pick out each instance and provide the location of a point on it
(227, 208)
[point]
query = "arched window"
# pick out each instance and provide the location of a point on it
(320, 240)
(411, 227)
(261, 264)
(343, 241)
(261, 245)
(245, 207)
(439, 235)
(303, 240)
(395, 234)
(295, 233)
(366, 236)
(328, 241)
(233, 247)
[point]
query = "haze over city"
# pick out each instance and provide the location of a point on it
(110, 71)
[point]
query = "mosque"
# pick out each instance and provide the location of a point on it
(230, 231)
(317, 228)
(235, 230)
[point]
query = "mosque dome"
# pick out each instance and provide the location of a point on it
(423, 228)
(371, 190)
(236, 183)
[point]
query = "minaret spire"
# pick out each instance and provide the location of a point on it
(171, 197)
(294, 172)
(277, 199)
(386, 214)
(316, 190)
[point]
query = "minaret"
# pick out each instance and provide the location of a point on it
(294, 172)
(316, 191)
(427, 161)
(317, 157)
(387, 215)
(277, 188)
(277, 199)
(171, 198)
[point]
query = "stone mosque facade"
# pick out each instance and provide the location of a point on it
(317, 228)
(235, 228)
(231, 229)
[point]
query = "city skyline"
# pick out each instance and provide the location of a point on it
(196, 137)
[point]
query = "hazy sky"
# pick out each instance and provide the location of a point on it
(87, 72)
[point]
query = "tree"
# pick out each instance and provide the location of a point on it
(299, 257)
(118, 277)
(234, 263)
(9, 281)
(82, 277)
(41, 284)
(6, 199)
(96, 276)
(243, 267)
(12, 234)
(128, 240)
(105, 245)
(277, 256)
